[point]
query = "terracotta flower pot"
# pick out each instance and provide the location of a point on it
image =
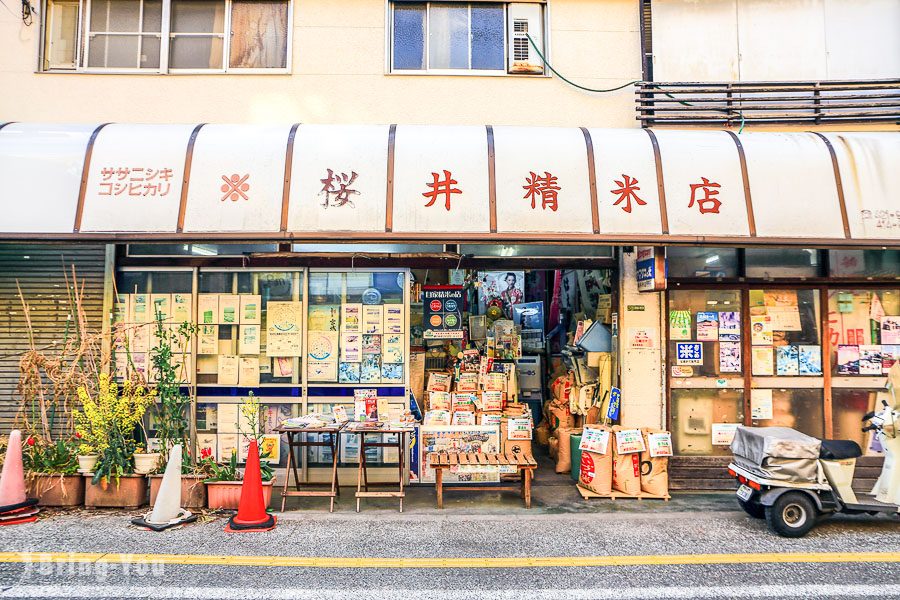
(86, 462)
(56, 490)
(146, 462)
(227, 494)
(131, 492)
(193, 492)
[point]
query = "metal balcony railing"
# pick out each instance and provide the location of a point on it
(768, 102)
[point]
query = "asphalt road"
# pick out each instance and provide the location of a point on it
(669, 535)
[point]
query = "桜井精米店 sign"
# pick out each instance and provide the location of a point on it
(443, 308)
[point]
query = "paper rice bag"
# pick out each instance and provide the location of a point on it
(655, 462)
(626, 467)
(596, 467)
(564, 459)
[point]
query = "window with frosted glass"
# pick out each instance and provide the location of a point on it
(448, 36)
(198, 34)
(124, 34)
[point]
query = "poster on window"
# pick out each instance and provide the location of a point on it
(689, 353)
(708, 326)
(443, 308)
(504, 289)
(890, 330)
(283, 321)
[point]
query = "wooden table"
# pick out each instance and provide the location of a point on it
(525, 464)
(362, 480)
(297, 439)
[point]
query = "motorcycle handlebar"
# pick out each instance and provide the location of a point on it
(869, 428)
(868, 416)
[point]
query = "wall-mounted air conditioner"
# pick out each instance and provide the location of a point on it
(524, 20)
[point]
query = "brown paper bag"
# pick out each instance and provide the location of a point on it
(542, 434)
(596, 472)
(654, 471)
(564, 459)
(560, 415)
(553, 447)
(626, 468)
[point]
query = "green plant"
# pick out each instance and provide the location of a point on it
(250, 409)
(224, 472)
(48, 457)
(106, 424)
(173, 406)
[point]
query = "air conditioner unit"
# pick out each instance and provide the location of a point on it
(524, 20)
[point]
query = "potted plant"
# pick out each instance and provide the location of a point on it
(52, 471)
(145, 462)
(223, 488)
(107, 423)
(171, 411)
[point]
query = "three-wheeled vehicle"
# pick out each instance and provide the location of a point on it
(792, 480)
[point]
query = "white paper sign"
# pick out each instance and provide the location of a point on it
(629, 441)
(760, 404)
(594, 440)
(660, 444)
(723, 433)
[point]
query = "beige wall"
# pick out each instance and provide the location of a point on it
(339, 77)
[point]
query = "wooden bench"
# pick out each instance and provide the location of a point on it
(525, 463)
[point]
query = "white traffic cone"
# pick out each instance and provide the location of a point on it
(167, 511)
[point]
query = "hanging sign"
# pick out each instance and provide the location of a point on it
(651, 269)
(443, 306)
(615, 402)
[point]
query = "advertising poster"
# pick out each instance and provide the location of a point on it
(229, 309)
(787, 360)
(393, 318)
(760, 404)
(181, 308)
(373, 319)
(760, 330)
(689, 353)
(283, 321)
(810, 360)
(729, 326)
(502, 288)
(324, 317)
(228, 370)
(351, 318)
(443, 308)
(890, 330)
(208, 308)
(348, 372)
(248, 343)
(529, 315)
(679, 324)
(763, 362)
(708, 326)
(870, 360)
(351, 347)
(250, 309)
(730, 357)
(848, 360)
(467, 438)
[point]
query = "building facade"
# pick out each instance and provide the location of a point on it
(681, 69)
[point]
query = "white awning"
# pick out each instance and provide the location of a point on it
(448, 184)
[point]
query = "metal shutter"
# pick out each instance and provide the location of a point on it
(39, 271)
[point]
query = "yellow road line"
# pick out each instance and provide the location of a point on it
(451, 563)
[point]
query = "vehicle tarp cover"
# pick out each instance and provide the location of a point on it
(779, 453)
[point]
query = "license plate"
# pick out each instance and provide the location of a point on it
(744, 492)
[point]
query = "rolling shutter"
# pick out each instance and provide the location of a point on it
(39, 271)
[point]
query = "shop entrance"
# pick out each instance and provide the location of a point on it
(297, 330)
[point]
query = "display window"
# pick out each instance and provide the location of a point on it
(356, 329)
(800, 409)
(705, 334)
(864, 326)
(784, 332)
(848, 408)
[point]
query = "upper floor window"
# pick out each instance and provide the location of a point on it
(166, 35)
(454, 37)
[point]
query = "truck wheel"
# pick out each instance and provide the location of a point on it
(792, 515)
(754, 509)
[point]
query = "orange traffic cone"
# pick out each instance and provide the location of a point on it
(251, 515)
(15, 506)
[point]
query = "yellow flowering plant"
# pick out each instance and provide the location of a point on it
(106, 424)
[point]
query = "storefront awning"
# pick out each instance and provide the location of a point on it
(448, 184)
